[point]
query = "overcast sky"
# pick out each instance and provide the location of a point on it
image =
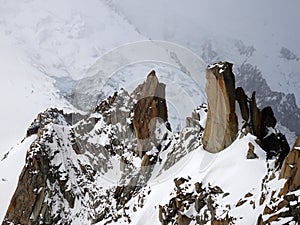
(253, 21)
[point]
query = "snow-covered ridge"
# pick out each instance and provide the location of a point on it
(83, 169)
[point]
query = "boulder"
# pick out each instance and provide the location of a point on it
(251, 154)
(221, 124)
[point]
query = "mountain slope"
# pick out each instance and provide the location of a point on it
(24, 92)
(86, 169)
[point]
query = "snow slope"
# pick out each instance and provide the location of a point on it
(229, 169)
(25, 91)
(10, 169)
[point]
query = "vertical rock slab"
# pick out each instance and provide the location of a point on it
(221, 124)
(150, 108)
(241, 97)
(255, 117)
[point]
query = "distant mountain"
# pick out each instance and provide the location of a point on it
(262, 45)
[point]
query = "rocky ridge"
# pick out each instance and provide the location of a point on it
(92, 169)
(222, 123)
(283, 204)
(73, 158)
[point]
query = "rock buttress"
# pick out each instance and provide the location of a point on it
(150, 108)
(221, 125)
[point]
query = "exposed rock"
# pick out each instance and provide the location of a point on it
(221, 124)
(285, 149)
(284, 105)
(262, 124)
(27, 200)
(28, 204)
(179, 181)
(183, 219)
(242, 98)
(190, 122)
(267, 118)
(284, 206)
(251, 154)
(255, 116)
(241, 202)
(288, 54)
(150, 108)
(291, 169)
(202, 199)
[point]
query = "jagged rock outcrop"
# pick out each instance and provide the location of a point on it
(261, 120)
(195, 204)
(28, 204)
(262, 124)
(284, 105)
(73, 155)
(150, 109)
(284, 207)
(90, 172)
(221, 125)
(290, 169)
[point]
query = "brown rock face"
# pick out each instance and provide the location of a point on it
(150, 109)
(221, 125)
(290, 169)
(27, 200)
